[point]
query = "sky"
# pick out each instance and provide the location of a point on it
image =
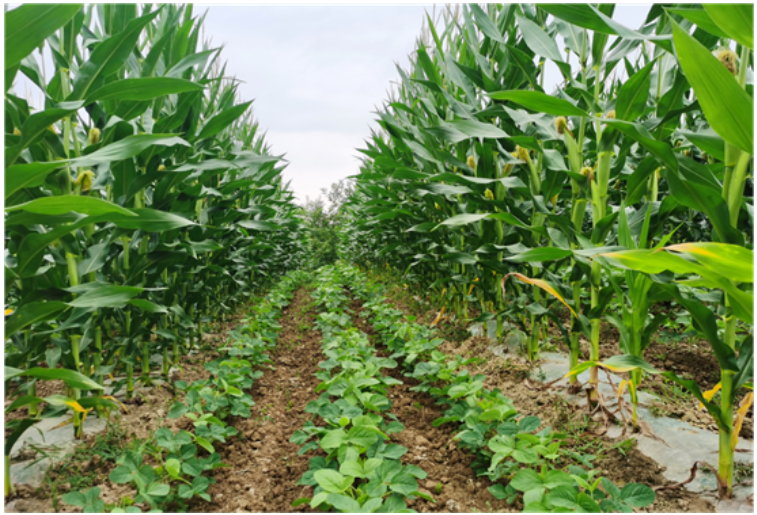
(317, 74)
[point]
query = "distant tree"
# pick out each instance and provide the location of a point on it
(324, 222)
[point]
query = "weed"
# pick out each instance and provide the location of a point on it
(624, 446)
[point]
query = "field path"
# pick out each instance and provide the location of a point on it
(264, 466)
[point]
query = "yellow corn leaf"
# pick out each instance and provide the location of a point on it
(8, 312)
(540, 284)
(84, 416)
(111, 398)
(632, 389)
(64, 423)
(709, 394)
(746, 403)
(470, 290)
(438, 317)
(622, 388)
(75, 406)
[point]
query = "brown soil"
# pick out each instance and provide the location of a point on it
(264, 466)
(433, 449)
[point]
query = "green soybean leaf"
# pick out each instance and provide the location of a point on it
(332, 481)
(525, 480)
(637, 495)
(343, 503)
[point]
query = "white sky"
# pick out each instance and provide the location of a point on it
(316, 73)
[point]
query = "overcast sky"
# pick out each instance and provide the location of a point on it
(316, 74)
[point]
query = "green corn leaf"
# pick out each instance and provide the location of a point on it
(538, 40)
(37, 124)
(28, 26)
(100, 295)
(70, 203)
(222, 120)
(146, 88)
(127, 147)
(728, 108)
(736, 20)
(28, 175)
(70, 377)
(539, 102)
(701, 19)
(33, 313)
(486, 24)
(633, 95)
(109, 56)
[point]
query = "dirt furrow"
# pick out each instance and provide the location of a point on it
(263, 466)
(451, 481)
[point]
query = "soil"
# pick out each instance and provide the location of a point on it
(433, 449)
(264, 466)
(633, 466)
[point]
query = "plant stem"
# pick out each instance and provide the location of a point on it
(725, 467)
(8, 484)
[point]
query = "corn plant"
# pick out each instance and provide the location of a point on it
(478, 172)
(141, 200)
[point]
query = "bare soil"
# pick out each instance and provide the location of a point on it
(264, 466)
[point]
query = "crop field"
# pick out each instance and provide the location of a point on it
(525, 299)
